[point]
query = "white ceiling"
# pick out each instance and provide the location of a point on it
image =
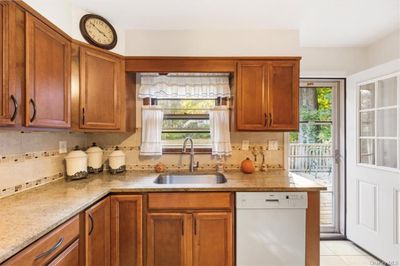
(321, 23)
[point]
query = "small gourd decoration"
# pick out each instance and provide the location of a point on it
(247, 166)
(159, 168)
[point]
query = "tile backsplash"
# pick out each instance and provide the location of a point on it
(29, 159)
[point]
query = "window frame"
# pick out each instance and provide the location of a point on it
(174, 149)
(375, 111)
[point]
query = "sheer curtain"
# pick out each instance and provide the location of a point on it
(152, 120)
(219, 128)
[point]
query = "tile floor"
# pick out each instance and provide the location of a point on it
(344, 253)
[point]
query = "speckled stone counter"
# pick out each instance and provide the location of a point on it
(29, 215)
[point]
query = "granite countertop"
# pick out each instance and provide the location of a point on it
(29, 215)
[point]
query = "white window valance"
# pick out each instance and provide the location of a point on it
(184, 86)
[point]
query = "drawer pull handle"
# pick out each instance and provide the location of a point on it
(14, 115)
(270, 119)
(271, 200)
(91, 224)
(51, 250)
(265, 119)
(34, 110)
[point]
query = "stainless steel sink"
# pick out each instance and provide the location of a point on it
(191, 178)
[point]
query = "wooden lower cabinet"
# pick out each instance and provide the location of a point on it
(212, 240)
(97, 234)
(69, 257)
(168, 239)
(126, 230)
(189, 239)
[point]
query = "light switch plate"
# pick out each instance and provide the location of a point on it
(62, 146)
(245, 145)
(273, 145)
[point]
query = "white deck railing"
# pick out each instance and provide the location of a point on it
(310, 157)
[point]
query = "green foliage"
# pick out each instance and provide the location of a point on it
(310, 130)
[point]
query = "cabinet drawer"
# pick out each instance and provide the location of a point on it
(46, 248)
(69, 257)
(200, 200)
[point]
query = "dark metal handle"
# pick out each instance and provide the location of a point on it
(83, 116)
(265, 119)
(52, 249)
(14, 115)
(271, 200)
(34, 110)
(91, 224)
(195, 226)
(183, 227)
(270, 119)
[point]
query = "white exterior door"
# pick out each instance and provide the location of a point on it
(373, 160)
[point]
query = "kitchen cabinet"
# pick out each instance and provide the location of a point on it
(168, 239)
(8, 101)
(189, 229)
(126, 230)
(69, 257)
(267, 95)
(97, 233)
(212, 238)
(48, 70)
(101, 89)
(48, 249)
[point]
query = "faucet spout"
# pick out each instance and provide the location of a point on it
(192, 166)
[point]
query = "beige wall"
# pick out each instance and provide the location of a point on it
(384, 50)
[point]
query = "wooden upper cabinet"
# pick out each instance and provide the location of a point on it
(267, 95)
(97, 234)
(10, 54)
(126, 230)
(168, 237)
(48, 75)
(100, 90)
(251, 101)
(283, 95)
(212, 240)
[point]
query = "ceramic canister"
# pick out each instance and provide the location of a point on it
(76, 164)
(117, 161)
(95, 159)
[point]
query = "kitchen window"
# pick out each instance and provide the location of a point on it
(187, 105)
(378, 122)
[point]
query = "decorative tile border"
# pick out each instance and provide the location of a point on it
(4, 192)
(27, 156)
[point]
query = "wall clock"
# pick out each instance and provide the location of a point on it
(98, 31)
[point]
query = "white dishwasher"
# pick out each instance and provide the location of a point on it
(270, 228)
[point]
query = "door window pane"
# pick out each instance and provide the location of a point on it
(387, 92)
(367, 96)
(367, 124)
(367, 151)
(387, 153)
(387, 122)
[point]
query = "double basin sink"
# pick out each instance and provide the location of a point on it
(191, 178)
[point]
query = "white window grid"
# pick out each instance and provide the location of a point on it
(375, 110)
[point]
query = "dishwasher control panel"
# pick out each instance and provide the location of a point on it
(271, 200)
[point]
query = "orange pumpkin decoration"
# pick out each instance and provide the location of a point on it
(159, 168)
(247, 166)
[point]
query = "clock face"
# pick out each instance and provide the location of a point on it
(98, 31)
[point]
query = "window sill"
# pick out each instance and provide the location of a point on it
(171, 150)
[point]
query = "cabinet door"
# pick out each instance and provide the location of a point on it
(212, 240)
(126, 230)
(97, 234)
(169, 239)
(251, 96)
(8, 98)
(100, 89)
(48, 74)
(69, 257)
(283, 95)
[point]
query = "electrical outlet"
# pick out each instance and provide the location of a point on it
(245, 145)
(62, 147)
(273, 145)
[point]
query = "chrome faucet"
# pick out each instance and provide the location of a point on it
(192, 166)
